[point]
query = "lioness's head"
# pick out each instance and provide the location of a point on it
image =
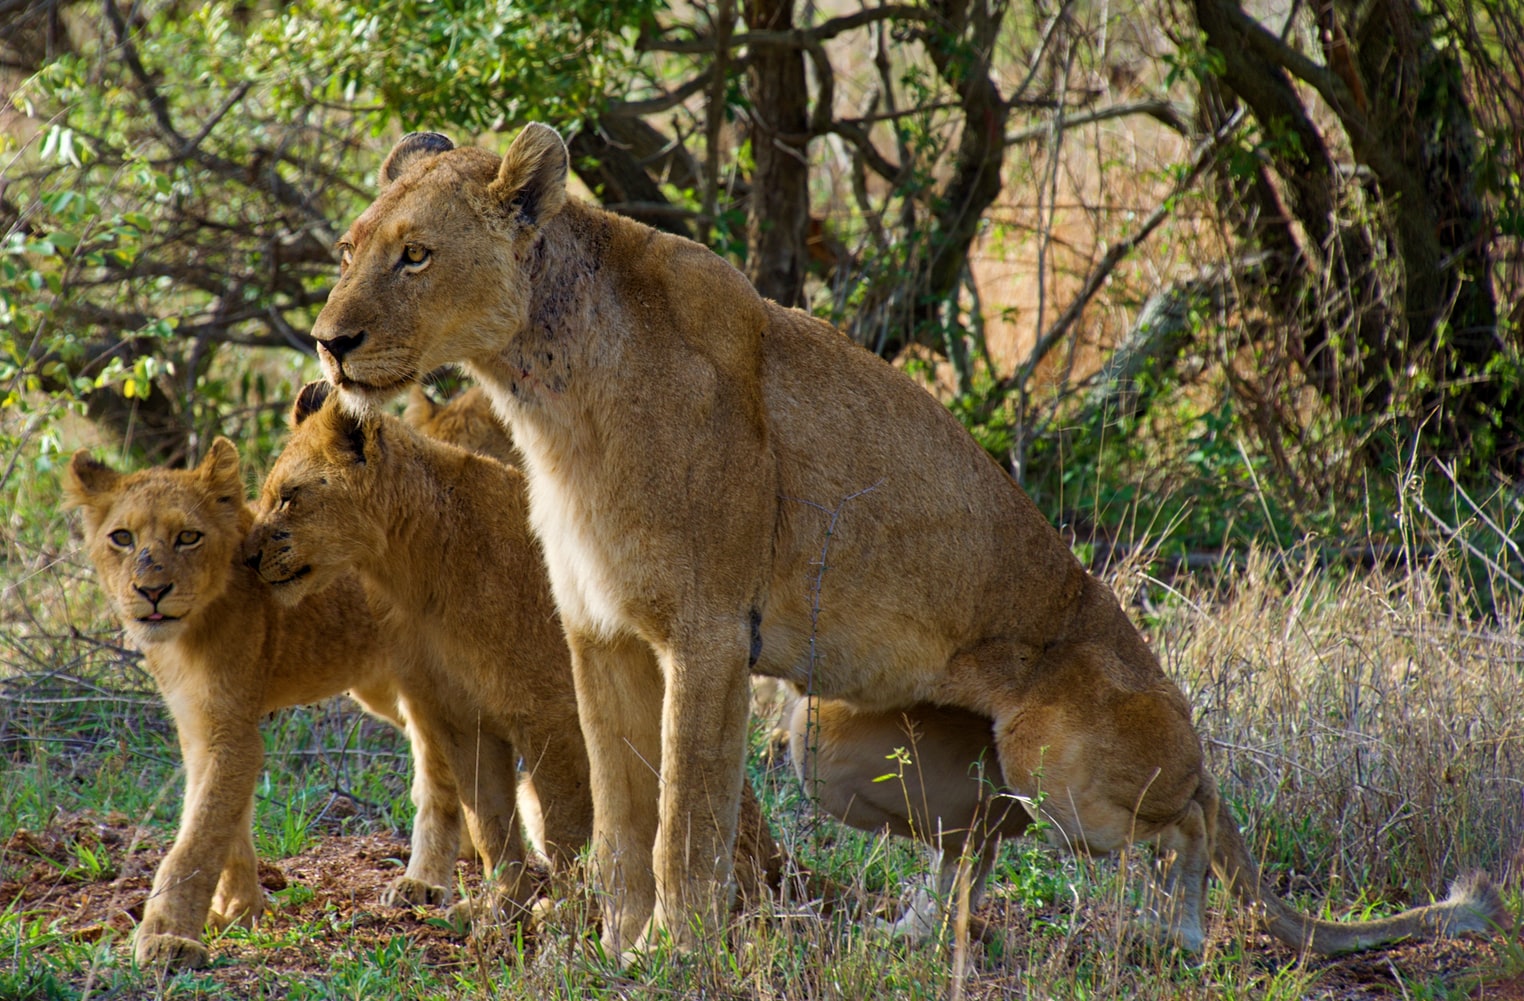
(312, 521)
(436, 270)
(163, 541)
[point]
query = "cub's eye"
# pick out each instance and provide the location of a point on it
(346, 257)
(414, 257)
(286, 498)
(121, 538)
(187, 538)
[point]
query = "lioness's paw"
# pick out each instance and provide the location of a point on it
(408, 892)
(171, 952)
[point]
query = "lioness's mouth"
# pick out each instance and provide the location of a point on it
(298, 575)
(157, 618)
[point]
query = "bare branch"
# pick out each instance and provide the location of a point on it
(671, 99)
(1161, 111)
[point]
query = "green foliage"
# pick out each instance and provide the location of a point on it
(474, 66)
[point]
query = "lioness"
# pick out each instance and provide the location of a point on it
(440, 540)
(165, 544)
(737, 486)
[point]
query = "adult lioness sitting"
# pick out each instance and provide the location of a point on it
(736, 485)
(165, 544)
(440, 540)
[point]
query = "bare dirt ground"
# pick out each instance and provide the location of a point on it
(342, 877)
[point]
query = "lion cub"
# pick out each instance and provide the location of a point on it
(440, 539)
(165, 544)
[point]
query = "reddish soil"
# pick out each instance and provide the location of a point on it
(41, 876)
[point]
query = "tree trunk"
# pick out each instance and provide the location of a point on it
(1401, 101)
(780, 197)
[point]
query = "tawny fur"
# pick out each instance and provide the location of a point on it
(466, 420)
(440, 540)
(225, 654)
(730, 485)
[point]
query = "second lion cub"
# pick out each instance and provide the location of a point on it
(439, 537)
(440, 542)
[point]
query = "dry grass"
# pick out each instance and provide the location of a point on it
(1366, 729)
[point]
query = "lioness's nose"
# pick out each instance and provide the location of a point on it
(343, 344)
(153, 594)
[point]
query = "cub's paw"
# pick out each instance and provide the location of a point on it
(242, 913)
(491, 909)
(406, 891)
(171, 952)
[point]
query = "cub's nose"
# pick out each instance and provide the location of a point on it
(153, 594)
(252, 560)
(342, 345)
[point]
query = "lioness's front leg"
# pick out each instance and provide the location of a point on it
(703, 733)
(222, 762)
(619, 692)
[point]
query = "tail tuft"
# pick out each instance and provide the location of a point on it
(1474, 905)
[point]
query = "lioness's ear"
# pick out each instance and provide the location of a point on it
(409, 150)
(420, 408)
(532, 179)
(220, 470)
(86, 477)
(309, 401)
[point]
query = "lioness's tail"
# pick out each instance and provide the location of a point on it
(1474, 905)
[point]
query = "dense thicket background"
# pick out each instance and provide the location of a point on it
(1138, 247)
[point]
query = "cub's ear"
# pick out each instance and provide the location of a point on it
(354, 433)
(85, 478)
(412, 148)
(309, 401)
(421, 408)
(221, 472)
(531, 182)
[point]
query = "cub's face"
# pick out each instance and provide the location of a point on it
(311, 523)
(435, 271)
(163, 541)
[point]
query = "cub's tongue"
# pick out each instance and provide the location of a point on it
(156, 617)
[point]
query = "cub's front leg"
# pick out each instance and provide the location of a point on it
(482, 770)
(213, 850)
(437, 828)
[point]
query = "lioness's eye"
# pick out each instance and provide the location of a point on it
(189, 537)
(121, 538)
(414, 257)
(346, 256)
